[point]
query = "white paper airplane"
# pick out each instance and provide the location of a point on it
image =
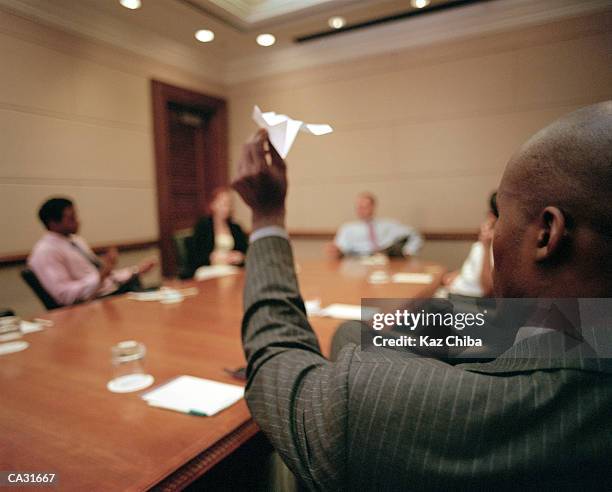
(282, 129)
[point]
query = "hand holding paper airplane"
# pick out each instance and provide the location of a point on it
(282, 130)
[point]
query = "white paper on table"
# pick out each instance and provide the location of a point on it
(441, 293)
(348, 312)
(198, 394)
(412, 278)
(163, 294)
(30, 327)
(313, 307)
(374, 260)
(215, 271)
(154, 295)
(282, 129)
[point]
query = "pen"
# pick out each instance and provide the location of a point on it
(188, 411)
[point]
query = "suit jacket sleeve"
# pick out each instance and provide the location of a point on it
(298, 398)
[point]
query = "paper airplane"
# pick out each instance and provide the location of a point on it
(282, 129)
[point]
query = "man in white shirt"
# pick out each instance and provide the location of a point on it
(67, 267)
(370, 235)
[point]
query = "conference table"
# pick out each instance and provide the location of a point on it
(57, 415)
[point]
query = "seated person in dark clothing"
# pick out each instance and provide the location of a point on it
(217, 240)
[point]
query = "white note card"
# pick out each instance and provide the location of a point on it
(313, 307)
(191, 394)
(412, 278)
(215, 271)
(165, 295)
(30, 327)
(348, 312)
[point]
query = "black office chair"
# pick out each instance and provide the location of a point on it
(183, 246)
(32, 280)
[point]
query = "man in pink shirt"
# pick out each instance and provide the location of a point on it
(67, 267)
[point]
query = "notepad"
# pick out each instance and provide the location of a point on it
(215, 271)
(164, 295)
(374, 260)
(348, 312)
(192, 395)
(30, 327)
(313, 307)
(412, 278)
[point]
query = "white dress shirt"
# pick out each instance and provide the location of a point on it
(354, 238)
(467, 283)
(65, 268)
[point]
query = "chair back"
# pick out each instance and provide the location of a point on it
(31, 279)
(183, 241)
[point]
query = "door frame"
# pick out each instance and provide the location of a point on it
(215, 143)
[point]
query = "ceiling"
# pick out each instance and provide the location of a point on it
(164, 29)
(302, 15)
(234, 22)
(249, 13)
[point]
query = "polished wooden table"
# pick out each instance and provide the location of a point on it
(57, 415)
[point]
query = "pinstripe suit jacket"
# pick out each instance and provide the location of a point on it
(390, 421)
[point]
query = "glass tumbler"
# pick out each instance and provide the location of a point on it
(128, 367)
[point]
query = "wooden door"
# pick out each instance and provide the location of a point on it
(191, 159)
(187, 161)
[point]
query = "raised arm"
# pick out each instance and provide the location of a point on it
(297, 397)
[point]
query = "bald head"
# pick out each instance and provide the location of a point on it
(556, 208)
(365, 206)
(568, 164)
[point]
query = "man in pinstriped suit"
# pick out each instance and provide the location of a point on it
(391, 421)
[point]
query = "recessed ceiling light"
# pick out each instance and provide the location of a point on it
(266, 40)
(204, 35)
(337, 22)
(131, 4)
(419, 4)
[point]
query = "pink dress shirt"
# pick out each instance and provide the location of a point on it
(66, 273)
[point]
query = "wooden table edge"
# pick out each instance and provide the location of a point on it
(203, 462)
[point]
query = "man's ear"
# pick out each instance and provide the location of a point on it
(552, 231)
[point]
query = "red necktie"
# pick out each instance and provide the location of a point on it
(372, 236)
